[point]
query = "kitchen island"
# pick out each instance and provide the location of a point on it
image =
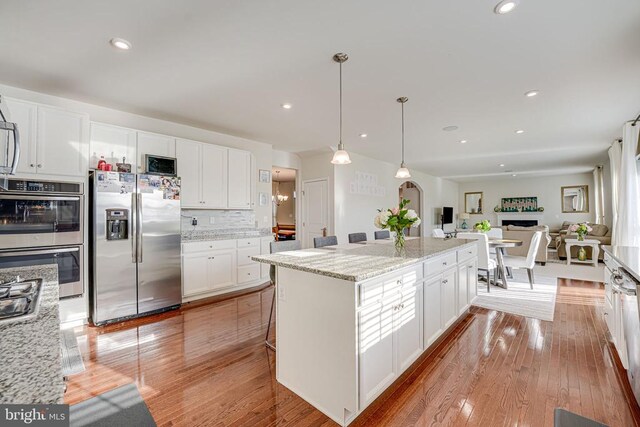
(30, 348)
(350, 321)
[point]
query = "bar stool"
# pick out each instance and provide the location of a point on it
(319, 242)
(382, 234)
(357, 237)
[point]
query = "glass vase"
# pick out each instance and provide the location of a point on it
(399, 240)
(581, 237)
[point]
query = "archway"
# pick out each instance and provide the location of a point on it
(411, 191)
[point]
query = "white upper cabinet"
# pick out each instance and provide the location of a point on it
(239, 179)
(112, 142)
(152, 143)
(25, 115)
(214, 176)
(189, 158)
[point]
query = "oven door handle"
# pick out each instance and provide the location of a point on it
(36, 197)
(41, 252)
(624, 291)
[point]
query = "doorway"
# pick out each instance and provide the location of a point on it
(283, 202)
(315, 210)
(411, 191)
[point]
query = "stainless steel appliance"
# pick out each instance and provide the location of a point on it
(19, 300)
(69, 259)
(135, 245)
(10, 136)
(41, 214)
(627, 286)
(159, 165)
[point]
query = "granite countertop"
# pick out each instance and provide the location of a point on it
(30, 349)
(628, 257)
(231, 234)
(357, 263)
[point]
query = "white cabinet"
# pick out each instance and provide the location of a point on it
(114, 143)
(448, 292)
(204, 272)
(463, 288)
(214, 176)
(62, 142)
(432, 310)
(24, 114)
(408, 325)
(152, 143)
(189, 157)
(53, 141)
(220, 269)
(472, 271)
(239, 173)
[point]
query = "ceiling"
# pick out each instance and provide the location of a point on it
(229, 66)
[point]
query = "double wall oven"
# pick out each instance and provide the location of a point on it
(41, 222)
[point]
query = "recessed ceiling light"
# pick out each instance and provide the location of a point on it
(505, 6)
(514, 174)
(531, 93)
(121, 44)
(519, 131)
(363, 135)
(449, 128)
(463, 141)
(501, 165)
(287, 106)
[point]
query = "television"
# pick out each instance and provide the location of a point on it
(447, 215)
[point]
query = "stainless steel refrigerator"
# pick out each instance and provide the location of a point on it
(135, 247)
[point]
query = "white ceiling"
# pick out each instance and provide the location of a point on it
(228, 66)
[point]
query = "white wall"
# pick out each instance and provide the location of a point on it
(546, 189)
(355, 212)
(285, 160)
(317, 166)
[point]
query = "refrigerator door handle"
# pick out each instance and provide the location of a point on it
(134, 240)
(139, 226)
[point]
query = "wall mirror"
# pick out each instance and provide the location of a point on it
(473, 202)
(575, 198)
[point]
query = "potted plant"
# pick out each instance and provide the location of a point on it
(396, 220)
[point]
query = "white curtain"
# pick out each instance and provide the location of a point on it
(615, 154)
(598, 182)
(627, 225)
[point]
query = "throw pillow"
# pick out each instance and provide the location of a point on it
(599, 230)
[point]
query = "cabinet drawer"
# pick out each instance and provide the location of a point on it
(439, 264)
(248, 273)
(412, 275)
(467, 253)
(245, 254)
(387, 286)
(191, 247)
(249, 243)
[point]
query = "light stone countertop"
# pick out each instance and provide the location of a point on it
(231, 234)
(31, 369)
(628, 257)
(357, 263)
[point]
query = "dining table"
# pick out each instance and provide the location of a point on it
(500, 246)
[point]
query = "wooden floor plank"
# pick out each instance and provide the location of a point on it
(206, 365)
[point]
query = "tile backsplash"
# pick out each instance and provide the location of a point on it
(217, 219)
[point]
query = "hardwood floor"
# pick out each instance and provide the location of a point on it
(208, 366)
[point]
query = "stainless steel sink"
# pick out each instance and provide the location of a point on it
(19, 300)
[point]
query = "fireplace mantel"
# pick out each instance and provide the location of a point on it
(526, 216)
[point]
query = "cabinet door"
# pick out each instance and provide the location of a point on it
(151, 143)
(375, 349)
(62, 142)
(472, 269)
(432, 313)
(214, 176)
(195, 274)
(462, 288)
(24, 114)
(408, 326)
(448, 292)
(239, 179)
(189, 158)
(114, 143)
(221, 269)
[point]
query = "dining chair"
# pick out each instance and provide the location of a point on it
(437, 232)
(357, 237)
(485, 263)
(494, 233)
(382, 234)
(319, 242)
(528, 262)
(275, 247)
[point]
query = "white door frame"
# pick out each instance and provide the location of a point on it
(303, 213)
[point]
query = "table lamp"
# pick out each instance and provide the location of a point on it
(464, 217)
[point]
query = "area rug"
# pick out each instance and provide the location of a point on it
(122, 406)
(520, 299)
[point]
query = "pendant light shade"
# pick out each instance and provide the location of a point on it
(340, 157)
(403, 172)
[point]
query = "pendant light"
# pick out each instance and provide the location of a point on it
(403, 172)
(340, 157)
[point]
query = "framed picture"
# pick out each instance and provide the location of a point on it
(265, 176)
(263, 199)
(473, 203)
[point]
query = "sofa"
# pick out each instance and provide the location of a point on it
(526, 234)
(599, 232)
